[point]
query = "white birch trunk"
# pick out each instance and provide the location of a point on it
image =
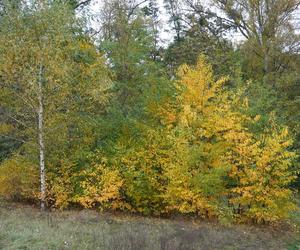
(41, 138)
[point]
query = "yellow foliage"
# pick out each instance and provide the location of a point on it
(215, 144)
(19, 179)
(182, 196)
(142, 168)
(60, 190)
(262, 169)
(101, 186)
(201, 159)
(196, 176)
(5, 128)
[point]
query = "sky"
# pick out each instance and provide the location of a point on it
(166, 34)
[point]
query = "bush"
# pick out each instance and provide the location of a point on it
(19, 179)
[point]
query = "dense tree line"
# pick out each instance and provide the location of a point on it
(114, 120)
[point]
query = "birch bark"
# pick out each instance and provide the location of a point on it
(41, 142)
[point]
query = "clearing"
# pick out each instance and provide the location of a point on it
(24, 227)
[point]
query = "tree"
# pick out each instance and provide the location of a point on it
(174, 8)
(206, 117)
(39, 53)
(152, 12)
(200, 33)
(268, 26)
(128, 41)
(270, 54)
(75, 4)
(221, 168)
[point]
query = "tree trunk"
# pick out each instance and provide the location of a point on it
(41, 138)
(266, 67)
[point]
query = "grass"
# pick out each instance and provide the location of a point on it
(24, 227)
(295, 245)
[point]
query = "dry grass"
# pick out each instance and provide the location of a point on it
(24, 227)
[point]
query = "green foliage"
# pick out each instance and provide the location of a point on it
(220, 53)
(19, 179)
(74, 85)
(121, 135)
(142, 166)
(252, 171)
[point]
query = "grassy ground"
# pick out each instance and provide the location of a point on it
(23, 227)
(295, 244)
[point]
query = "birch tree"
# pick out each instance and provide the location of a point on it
(41, 48)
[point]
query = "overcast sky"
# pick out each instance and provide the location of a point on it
(166, 33)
